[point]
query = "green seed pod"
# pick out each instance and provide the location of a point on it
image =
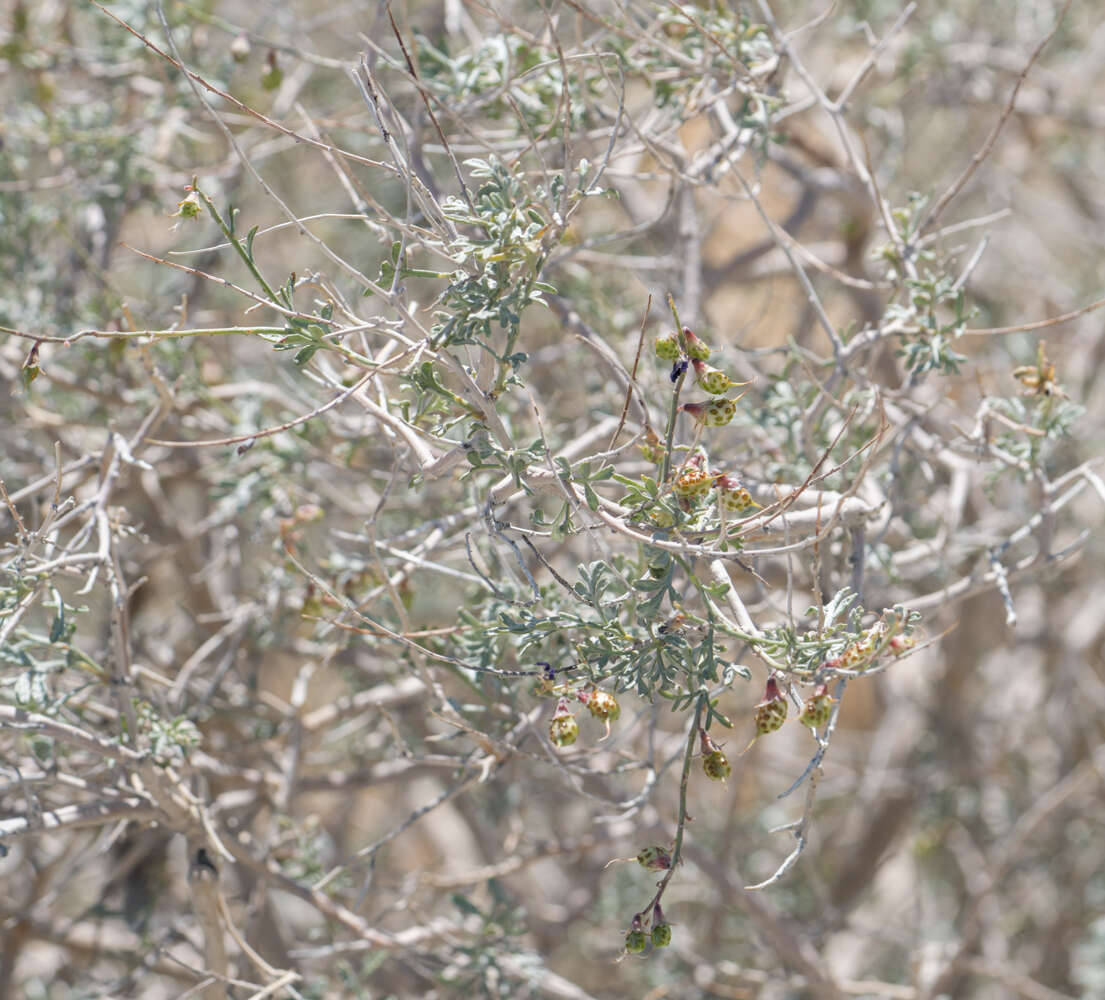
(715, 413)
(667, 348)
(563, 729)
(716, 766)
(661, 935)
(635, 942)
(655, 859)
(713, 380)
(697, 350)
(817, 708)
(731, 496)
(771, 713)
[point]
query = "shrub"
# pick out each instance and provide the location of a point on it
(409, 493)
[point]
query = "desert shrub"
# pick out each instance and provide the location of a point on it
(450, 450)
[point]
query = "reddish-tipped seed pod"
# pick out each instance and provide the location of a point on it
(731, 496)
(713, 380)
(636, 940)
(563, 729)
(771, 712)
(654, 858)
(817, 708)
(715, 764)
(697, 350)
(715, 413)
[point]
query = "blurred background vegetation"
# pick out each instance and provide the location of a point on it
(954, 846)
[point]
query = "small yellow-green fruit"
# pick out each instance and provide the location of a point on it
(731, 496)
(661, 935)
(563, 729)
(655, 859)
(692, 483)
(604, 706)
(771, 713)
(697, 350)
(713, 380)
(716, 766)
(667, 348)
(715, 413)
(817, 708)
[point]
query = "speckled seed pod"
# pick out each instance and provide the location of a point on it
(731, 496)
(692, 483)
(636, 941)
(661, 935)
(563, 729)
(817, 708)
(655, 859)
(697, 350)
(771, 713)
(667, 348)
(715, 413)
(716, 766)
(713, 380)
(604, 706)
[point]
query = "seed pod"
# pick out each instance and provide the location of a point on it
(636, 940)
(771, 713)
(731, 496)
(667, 348)
(713, 380)
(715, 413)
(692, 483)
(603, 706)
(661, 935)
(697, 350)
(817, 708)
(716, 766)
(563, 729)
(655, 859)
(714, 763)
